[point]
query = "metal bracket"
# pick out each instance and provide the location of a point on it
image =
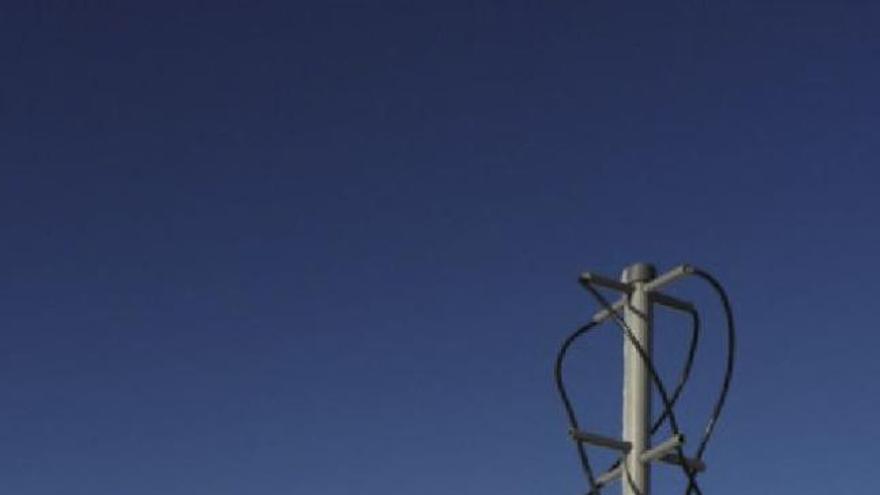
(651, 287)
(600, 441)
(663, 453)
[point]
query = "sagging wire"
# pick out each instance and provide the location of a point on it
(668, 402)
(731, 355)
(566, 402)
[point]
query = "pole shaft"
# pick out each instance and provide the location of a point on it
(637, 383)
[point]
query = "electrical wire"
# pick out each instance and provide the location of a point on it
(566, 402)
(731, 356)
(729, 364)
(686, 371)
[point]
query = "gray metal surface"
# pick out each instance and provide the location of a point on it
(664, 449)
(637, 381)
(600, 440)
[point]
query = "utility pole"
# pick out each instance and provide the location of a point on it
(638, 316)
(639, 287)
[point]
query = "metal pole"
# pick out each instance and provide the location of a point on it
(636, 479)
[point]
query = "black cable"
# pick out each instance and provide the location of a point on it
(566, 402)
(688, 363)
(731, 354)
(728, 368)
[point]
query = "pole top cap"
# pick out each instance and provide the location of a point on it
(638, 272)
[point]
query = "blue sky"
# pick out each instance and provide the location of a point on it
(332, 247)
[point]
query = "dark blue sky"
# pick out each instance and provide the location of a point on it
(332, 247)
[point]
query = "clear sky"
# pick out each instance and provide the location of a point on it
(332, 247)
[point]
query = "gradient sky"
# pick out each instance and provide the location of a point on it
(332, 247)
